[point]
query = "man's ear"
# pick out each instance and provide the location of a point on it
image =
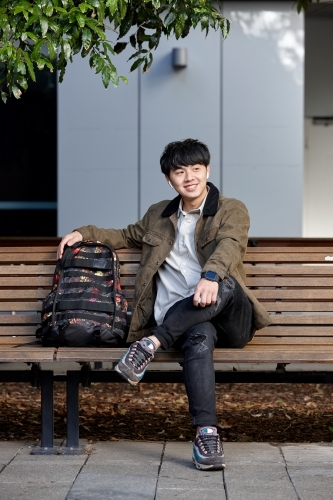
(168, 181)
(208, 171)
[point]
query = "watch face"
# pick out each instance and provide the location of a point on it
(210, 275)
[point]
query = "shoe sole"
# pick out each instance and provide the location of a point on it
(208, 467)
(124, 375)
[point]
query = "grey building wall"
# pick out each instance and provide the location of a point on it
(243, 97)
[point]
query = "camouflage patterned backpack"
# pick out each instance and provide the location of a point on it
(86, 305)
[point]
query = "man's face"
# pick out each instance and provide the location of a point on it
(190, 183)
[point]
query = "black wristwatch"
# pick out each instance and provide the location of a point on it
(210, 276)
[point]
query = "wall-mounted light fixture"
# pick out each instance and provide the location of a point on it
(179, 57)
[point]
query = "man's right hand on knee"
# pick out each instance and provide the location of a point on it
(69, 240)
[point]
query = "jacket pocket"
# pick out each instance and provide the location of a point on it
(150, 244)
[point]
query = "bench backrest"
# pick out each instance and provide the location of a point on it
(295, 284)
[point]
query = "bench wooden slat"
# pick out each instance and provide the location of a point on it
(290, 249)
(24, 294)
(26, 355)
(20, 306)
(255, 354)
(280, 306)
(26, 341)
(287, 330)
(308, 282)
(283, 319)
(302, 269)
(41, 269)
(17, 330)
(26, 258)
(25, 281)
(305, 341)
(287, 257)
(19, 319)
(300, 294)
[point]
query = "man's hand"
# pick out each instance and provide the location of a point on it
(205, 293)
(69, 240)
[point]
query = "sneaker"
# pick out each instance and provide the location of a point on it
(207, 450)
(133, 364)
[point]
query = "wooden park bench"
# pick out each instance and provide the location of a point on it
(294, 283)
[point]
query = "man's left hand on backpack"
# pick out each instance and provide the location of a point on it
(69, 240)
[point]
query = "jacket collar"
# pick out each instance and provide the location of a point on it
(210, 207)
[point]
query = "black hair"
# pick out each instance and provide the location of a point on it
(180, 154)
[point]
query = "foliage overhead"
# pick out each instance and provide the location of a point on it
(304, 4)
(40, 34)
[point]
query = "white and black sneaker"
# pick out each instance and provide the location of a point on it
(133, 364)
(207, 450)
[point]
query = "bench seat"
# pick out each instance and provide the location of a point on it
(294, 283)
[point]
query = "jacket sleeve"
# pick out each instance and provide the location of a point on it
(130, 237)
(231, 238)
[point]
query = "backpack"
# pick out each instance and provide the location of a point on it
(86, 305)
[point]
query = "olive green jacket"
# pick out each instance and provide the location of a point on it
(220, 241)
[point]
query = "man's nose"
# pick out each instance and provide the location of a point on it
(188, 175)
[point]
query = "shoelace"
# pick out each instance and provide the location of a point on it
(210, 443)
(139, 356)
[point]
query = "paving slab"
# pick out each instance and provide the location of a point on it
(307, 454)
(8, 450)
(310, 467)
(33, 491)
(180, 479)
(119, 470)
(256, 471)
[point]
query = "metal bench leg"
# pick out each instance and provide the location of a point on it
(47, 414)
(72, 444)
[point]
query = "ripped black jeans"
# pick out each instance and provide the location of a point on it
(196, 331)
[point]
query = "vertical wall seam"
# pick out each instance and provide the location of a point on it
(221, 109)
(139, 145)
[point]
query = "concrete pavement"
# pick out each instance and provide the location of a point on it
(162, 471)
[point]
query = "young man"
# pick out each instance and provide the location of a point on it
(190, 291)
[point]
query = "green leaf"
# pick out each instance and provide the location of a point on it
(124, 79)
(84, 7)
(170, 18)
(112, 5)
(107, 47)
(4, 96)
(31, 21)
(133, 41)
(119, 47)
(29, 64)
(51, 50)
(21, 68)
(49, 10)
(36, 50)
(22, 82)
(16, 92)
(137, 63)
(86, 37)
(114, 78)
(100, 64)
(44, 24)
(66, 50)
(81, 19)
(136, 54)
(92, 25)
(32, 36)
(106, 76)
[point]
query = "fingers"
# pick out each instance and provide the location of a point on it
(69, 240)
(205, 293)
